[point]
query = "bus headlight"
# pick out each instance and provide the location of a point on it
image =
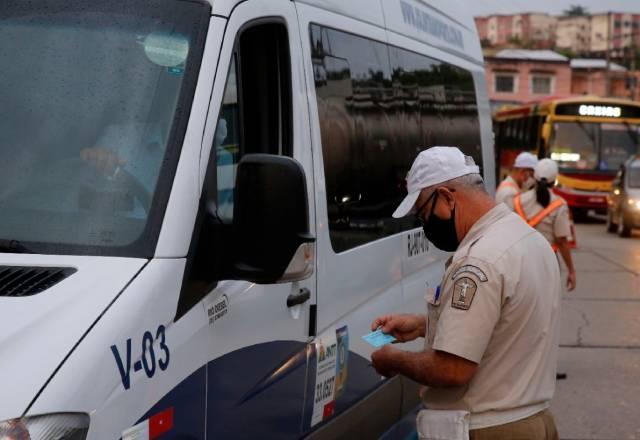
(64, 426)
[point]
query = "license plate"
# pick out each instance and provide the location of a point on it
(596, 200)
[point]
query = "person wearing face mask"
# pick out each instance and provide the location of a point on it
(520, 179)
(491, 327)
(548, 214)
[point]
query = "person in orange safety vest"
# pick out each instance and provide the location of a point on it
(548, 214)
(520, 179)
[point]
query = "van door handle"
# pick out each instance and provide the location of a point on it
(301, 297)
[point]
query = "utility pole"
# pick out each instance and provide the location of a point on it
(607, 71)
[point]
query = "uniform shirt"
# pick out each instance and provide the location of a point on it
(498, 307)
(141, 146)
(507, 190)
(555, 225)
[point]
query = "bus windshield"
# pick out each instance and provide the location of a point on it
(585, 146)
(91, 92)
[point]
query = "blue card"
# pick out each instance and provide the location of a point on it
(378, 339)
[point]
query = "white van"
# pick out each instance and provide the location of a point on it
(195, 209)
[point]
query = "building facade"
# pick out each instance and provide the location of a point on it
(616, 31)
(532, 29)
(519, 76)
(574, 34)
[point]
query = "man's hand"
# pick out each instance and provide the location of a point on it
(403, 327)
(571, 281)
(383, 360)
(104, 160)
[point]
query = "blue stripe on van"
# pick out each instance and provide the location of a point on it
(248, 397)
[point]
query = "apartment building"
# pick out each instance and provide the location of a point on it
(574, 34)
(535, 29)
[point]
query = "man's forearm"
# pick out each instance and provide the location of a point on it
(434, 369)
(565, 253)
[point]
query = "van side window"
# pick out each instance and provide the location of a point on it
(379, 106)
(227, 145)
(439, 100)
(255, 117)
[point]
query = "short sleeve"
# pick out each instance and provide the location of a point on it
(506, 195)
(562, 223)
(471, 306)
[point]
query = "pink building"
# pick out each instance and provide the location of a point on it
(531, 28)
(517, 76)
(615, 30)
(589, 78)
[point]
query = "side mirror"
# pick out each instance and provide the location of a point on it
(271, 220)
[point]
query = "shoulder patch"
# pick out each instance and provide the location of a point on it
(464, 290)
(468, 268)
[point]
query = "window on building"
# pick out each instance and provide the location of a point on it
(505, 83)
(379, 106)
(542, 84)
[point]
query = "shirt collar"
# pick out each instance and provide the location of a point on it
(481, 225)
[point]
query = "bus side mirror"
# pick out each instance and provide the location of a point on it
(271, 219)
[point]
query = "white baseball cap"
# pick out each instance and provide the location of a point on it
(431, 167)
(526, 160)
(546, 169)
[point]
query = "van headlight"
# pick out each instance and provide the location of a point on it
(64, 426)
(634, 203)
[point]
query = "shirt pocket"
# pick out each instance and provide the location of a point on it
(433, 314)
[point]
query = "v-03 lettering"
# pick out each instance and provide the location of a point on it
(148, 359)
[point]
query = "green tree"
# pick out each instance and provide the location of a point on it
(576, 11)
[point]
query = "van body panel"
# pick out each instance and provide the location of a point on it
(39, 331)
(437, 24)
(362, 10)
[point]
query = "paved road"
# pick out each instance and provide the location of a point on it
(600, 341)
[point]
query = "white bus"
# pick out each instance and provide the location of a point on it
(195, 209)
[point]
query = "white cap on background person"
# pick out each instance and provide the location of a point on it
(525, 160)
(432, 167)
(546, 169)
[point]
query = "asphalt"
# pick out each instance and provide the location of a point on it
(600, 340)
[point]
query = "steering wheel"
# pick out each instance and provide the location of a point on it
(66, 180)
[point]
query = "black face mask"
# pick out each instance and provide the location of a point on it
(442, 233)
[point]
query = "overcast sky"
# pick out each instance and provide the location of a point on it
(485, 7)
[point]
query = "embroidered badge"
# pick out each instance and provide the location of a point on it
(472, 270)
(463, 292)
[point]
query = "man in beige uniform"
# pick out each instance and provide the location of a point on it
(520, 179)
(492, 329)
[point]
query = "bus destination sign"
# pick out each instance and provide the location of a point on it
(598, 110)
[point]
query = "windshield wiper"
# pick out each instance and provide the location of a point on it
(12, 247)
(591, 136)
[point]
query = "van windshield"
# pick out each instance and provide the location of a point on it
(91, 127)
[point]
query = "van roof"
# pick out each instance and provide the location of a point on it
(444, 24)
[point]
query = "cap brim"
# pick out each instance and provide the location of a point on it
(407, 205)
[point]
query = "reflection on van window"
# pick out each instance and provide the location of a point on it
(379, 106)
(227, 145)
(90, 98)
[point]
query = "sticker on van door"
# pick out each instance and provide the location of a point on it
(332, 356)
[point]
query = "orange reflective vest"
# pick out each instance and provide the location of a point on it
(536, 219)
